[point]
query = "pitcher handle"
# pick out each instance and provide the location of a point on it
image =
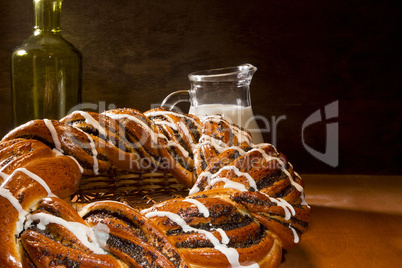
(176, 97)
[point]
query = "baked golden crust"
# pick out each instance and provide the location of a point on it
(252, 241)
(33, 176)
(130, 233)
(246, 202)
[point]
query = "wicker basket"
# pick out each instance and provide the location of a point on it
(137, 190)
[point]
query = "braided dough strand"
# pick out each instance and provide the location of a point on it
(245, 204)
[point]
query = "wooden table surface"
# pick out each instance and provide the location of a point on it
(356, 222)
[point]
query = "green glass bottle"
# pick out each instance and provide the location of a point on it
(46, 69)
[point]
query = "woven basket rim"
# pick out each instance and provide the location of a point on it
(139, 190)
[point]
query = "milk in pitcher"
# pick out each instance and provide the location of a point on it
(239, 115)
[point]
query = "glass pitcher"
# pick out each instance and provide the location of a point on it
(224, 91)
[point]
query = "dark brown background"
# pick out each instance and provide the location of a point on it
(308, 54)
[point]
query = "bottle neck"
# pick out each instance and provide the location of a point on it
(47, 16)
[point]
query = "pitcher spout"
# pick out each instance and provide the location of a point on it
(246, 71)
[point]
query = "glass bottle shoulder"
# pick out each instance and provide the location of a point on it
(46, 43)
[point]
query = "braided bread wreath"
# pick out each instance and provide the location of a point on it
(245, 204)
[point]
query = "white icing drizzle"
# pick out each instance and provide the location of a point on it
(230, 184)
(4, 175)
(173, 143)
(91, 121)
(53, 132)
(201, 207)
(156, 113)
(261, 145)
(101, 232)
(94, 152)
(241, 135)
(288, 208)
(238, 173)
(270, 158)
(231, 254)
(237, 148)
(214, 118)
(34, 177)
(14, 202)
(58, 153)
(154, 136)
(219, 145)
(187, 134)
(206, 174)
(78, 164)
(58, 150)
(195, 189)
(213, 179)
(302, 193)
(196, 164)
(83, 210)
(295, 184)
(289, 211)
(2, 163)
(225, 239)
(82, 232)
(295, 235)
(181, 148)
(163, 122)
